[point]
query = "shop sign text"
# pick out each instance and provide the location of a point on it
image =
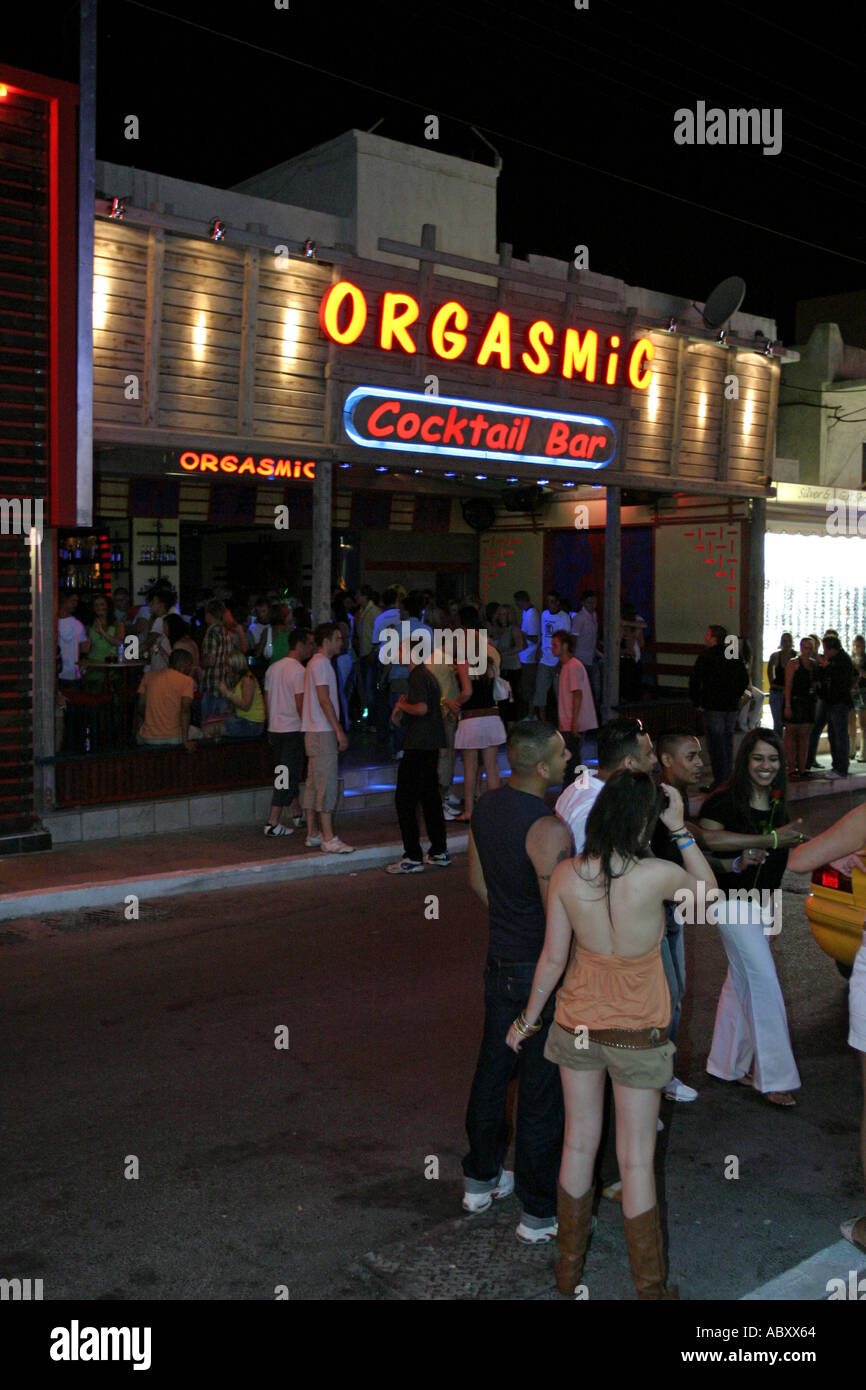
(261, 466)
(379, 418)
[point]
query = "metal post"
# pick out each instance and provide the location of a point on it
(322, 488)
(43, 586)
(612, 586)
(757, 530)
(86, 197)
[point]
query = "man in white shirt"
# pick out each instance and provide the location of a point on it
(622, 743)
(575, 704)
(584, 625)
(324, 739)
(284, 699)
(72, 639)
(552, 620)
(530, 626)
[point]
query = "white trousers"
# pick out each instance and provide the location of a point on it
(751, 1032)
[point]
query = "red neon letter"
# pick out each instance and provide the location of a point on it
(643, 348)
(425, 429)
(580, 357)
(189, 460)
(446, 343)
(397, 313)
(496, 339)
(309, 469)
(329, 312)
(373, 423)
(229, 463)
(539, 332)
(557, 440)
(208, 463)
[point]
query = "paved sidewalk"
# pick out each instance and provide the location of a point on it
(101, 873)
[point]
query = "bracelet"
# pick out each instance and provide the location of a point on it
(525, 1029)
(735, 863)
(677, 832)
(685, 844)
(775, 839)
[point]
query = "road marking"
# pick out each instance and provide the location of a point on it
(808, 1280)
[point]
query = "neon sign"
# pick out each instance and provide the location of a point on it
(262, 467)
(343, 315)
(377, 418)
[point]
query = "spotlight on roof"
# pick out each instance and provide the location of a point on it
(672, 326)
(722, 338)
(310, 249)
(217, 230)
(769, 348)
(118, 208)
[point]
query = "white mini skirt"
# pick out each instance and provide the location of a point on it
(486, 732)
(857, 1001)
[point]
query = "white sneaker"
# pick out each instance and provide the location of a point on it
(480, 1201)
(313, 841)
(278, 829)
(678, 1090)
(406, 866)
(336, 846)
(537, 1235)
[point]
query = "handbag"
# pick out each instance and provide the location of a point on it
(501, 689)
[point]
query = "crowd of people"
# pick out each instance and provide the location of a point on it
(585, 974)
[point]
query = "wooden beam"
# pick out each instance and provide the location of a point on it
(246, 385)
(723, 457)
(153, 325)
(495, 272)
(676, 437)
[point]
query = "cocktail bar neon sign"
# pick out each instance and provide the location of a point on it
(343, 315)
(379, 418)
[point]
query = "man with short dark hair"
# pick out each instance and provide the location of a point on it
(165, 701)
(575, 706)
(514, 845)
(530, 626)
(552, 620)
(365, 616)
(680, 766)
(417, 780)
(717, 685)
(584, 625)
(284, 700)
(621, 743)
(837, 680)
(214, 659)
(324, 740)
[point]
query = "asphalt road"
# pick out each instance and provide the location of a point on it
(260, 1166)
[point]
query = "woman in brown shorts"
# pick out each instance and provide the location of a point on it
(605, 922)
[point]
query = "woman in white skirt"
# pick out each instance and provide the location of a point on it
(480, 731)
(843, 847)
(748, 816)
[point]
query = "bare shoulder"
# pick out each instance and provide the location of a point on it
(549, 835)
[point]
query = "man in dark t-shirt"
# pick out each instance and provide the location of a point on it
(515, 843)
(417, 777)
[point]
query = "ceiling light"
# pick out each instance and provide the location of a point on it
(217, 230)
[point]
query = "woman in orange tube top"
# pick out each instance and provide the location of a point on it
(605, 922)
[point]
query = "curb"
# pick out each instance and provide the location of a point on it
(256, 873)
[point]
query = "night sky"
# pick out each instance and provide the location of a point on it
(579, 103)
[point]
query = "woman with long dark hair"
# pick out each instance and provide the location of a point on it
(751, 1043)
(799, 708)
(605, 923)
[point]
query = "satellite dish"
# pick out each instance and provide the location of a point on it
(723, 302)
(478, 512)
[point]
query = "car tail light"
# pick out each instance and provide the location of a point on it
(828, 877)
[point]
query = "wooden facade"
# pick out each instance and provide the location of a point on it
(215, 343)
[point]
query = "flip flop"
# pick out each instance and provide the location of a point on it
(849, 1230)
(780, 1098)
(747, 1080)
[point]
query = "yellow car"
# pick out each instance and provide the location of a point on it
(836, 909)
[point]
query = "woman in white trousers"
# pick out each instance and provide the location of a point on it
(744, 822)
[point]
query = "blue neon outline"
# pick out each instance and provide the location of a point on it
(404, 448)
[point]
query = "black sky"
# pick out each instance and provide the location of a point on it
(579, 103)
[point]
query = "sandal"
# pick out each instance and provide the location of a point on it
(779, 1098)
(849, 1230)
(747, 1080)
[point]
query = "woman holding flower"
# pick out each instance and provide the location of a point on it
(748, 816)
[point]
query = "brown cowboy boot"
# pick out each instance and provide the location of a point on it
(574, 1218)
(643, 1237)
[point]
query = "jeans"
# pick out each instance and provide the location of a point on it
(673, 953)
(540, 1112)
(417, 781)
(814, 737)
(837, 727)
(777, 708)
(235, 727)
(719, 728)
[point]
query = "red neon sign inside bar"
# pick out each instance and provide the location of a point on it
(343, 314)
